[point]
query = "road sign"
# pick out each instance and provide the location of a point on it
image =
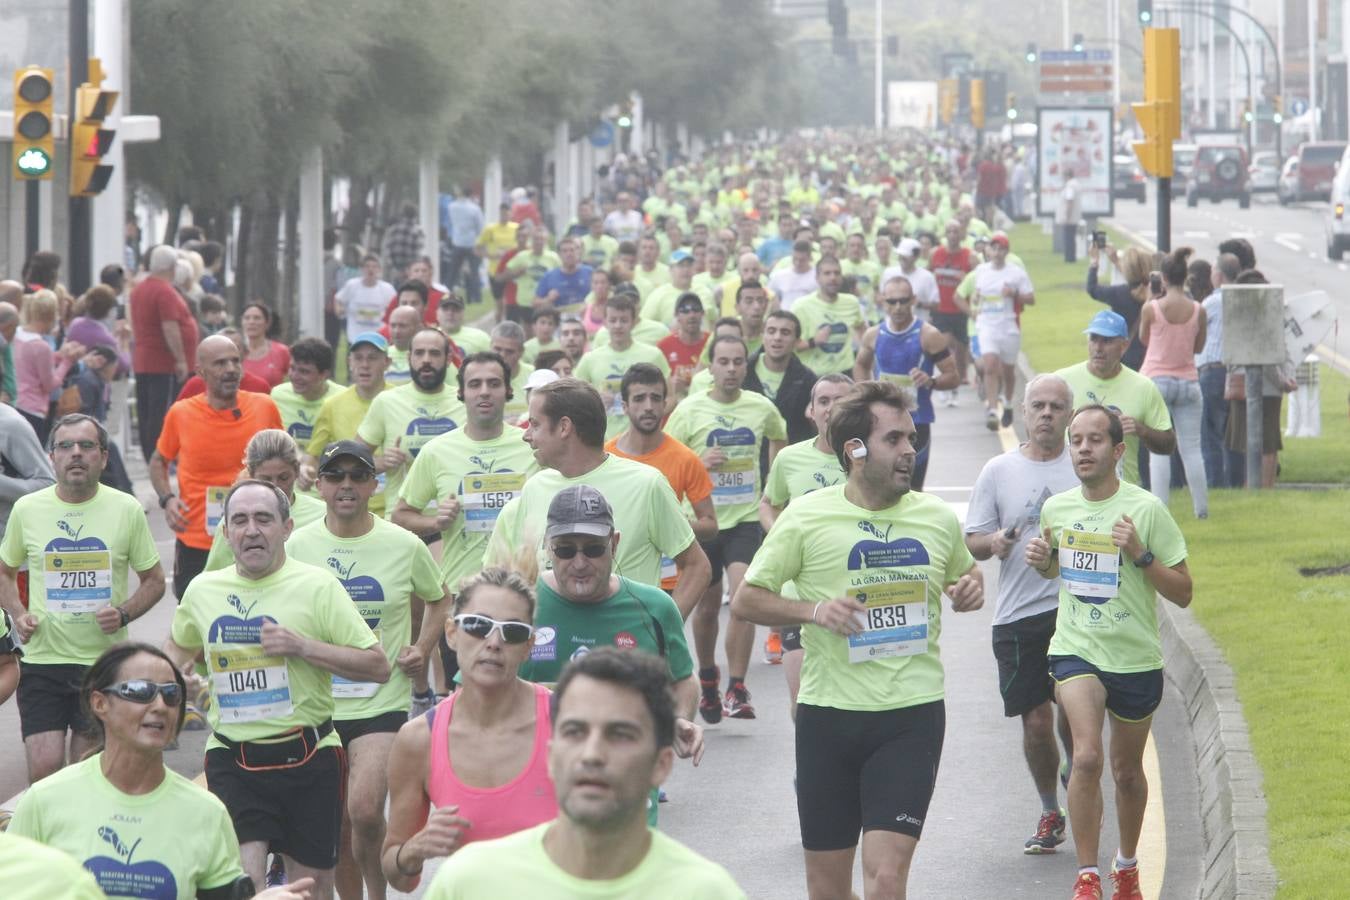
(1298, 107)
(1075, 72)
(602, 135)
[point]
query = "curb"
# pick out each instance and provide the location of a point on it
(1236, 861)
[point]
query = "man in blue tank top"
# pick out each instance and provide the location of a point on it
(912, 354)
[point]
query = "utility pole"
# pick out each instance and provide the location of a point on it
(1312, 68)
(877, 115)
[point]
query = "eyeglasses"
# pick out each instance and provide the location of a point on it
(358, 476)
(482, 627)
(567, 551)
(86, 446)
(143, 692)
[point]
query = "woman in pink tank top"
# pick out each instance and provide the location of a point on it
(474, 767)
(1172, 329)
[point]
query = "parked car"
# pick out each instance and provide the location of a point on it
(1183, 157)
(1127, 178)
(1317, 162)
(1337, 222)
(1265, 172)
(1219, 173)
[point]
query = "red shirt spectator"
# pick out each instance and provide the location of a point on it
(272, 368)
(992, 180)
(509, 292)
(153, 302)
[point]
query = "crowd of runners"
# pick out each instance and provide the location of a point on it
(466, 606)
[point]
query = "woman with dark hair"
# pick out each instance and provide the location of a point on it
(268, 359)
(475, 766)
(142, 829)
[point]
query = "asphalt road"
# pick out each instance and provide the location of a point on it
(738, 806)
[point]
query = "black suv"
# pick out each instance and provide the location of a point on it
(1219, 173)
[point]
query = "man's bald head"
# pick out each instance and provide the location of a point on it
(213, 346)
(8, 313)
(11, 292)
(220, 364)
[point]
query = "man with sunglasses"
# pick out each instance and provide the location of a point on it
(79, 539)
(583, 605)
(905, 350)
(273, 631)
(383, 567)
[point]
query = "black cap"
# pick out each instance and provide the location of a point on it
(355, 449)
(579, 509)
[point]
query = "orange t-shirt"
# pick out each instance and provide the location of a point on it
(209, 446)
(687, 476)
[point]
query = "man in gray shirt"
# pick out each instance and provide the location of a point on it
(1004, 514)
(24, 467)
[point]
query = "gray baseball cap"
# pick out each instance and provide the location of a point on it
(579, 509)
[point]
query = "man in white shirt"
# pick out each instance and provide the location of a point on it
(624, 223)
(362, 301)
(793, 282)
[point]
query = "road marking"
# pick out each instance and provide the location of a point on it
(1342, 266)
(1196, 235)
(1337, 361)
(1153, 838)
(1138, 236)
(1289, 240)
(1311, 254)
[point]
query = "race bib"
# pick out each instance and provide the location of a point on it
(369, 318)
(895, 623)
(77, 581)
(734, 482)
(215, 508)
(900, 381)
(483, 497)
(249, 685)
(991, 303)
(1089, 563)
(668, 568)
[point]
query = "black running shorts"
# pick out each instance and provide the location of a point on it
(1020, 647)
(49, 698)
(1130, 696)
(382, 723)
(736, 544)
(865, 771)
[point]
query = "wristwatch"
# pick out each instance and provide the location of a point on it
(125, 616)
(1145, 561)
(164, 500)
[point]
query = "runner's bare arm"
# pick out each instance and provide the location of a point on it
(764, 607)
(967, 592)
(705, 520)
(768, 513)
(148, 593)
(414, 520)
(862, 363)
(408, 803)
(695, 576)
(353, 663)
(433, 625)
(775, 447)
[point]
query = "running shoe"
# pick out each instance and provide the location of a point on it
(773, 648)
(737, 703)
(1049, 833)
(1127, 883)
(952, 400)
(1007, 417)
(1087, 887)
(710, 703)
(991, 420)
(421, 703)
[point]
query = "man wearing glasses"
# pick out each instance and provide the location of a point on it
(79, 539)
(583, 605)
(383, 567)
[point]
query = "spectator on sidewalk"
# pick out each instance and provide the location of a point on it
(90, 328)
(1067, 213)
(38, 369)
(466, 224)
(404, 241)
(1126, 299)
(1219, 468)
(164, 344)
(11, 294)
(1277, 381)
(263, 357)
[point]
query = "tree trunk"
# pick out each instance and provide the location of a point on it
(261, 270)
(241, 277)
(287, 302)
(358, 213)
(171, 223)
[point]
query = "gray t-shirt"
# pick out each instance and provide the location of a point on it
(24, 467)
(1010, 491)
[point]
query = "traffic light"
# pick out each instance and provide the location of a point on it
(1160, 113)
(1278, 103)
(33, 147)
(1031, 52)
(1146, 12)
(1011, 107)
(977, 102)
(1247, 112)
(948, 90)
(1078, 42)
(89, 140)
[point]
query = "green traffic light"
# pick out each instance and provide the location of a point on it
(625, 122)
(33, 162)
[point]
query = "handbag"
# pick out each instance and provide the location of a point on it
(1235, 384)
(69, 401)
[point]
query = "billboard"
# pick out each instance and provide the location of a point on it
(912, 104)
(1077, 139)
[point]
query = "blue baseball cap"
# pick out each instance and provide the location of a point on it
(1108, 324)
(680, 256)
(373, 338)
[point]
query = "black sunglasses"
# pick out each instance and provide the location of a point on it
(141, 691)
(482, 627)
(681, 310)
(358, 476)
(567, 551)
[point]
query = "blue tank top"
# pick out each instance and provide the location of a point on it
(895, 355)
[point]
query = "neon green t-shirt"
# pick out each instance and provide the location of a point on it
(533, 267)
(646, 515)
(895, 560)
(598, 252)
(484, 475)
(412, 418)
(399, 371)
(78, 555)
(306, 509)
(604, 368)
(645, 331)
(866, 274)
(646, 282)
(533, 348)
(800, 469)
(701, 422)
(381, 570)
(29, 868)
(518, 866)
(170, 843)
(1128, 394)
(1108, 610)
(299, 414)
(254, 695)
(519, 404)
(843, 315)
(473, 340)
(659, 305)
(338, 419)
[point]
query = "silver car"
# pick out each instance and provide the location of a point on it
(1265, 172)
(1337, 216)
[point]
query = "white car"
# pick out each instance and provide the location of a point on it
(1265, 172)
(1337, 220)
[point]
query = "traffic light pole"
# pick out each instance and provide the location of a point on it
(1164, 240)
(79, 267)
(32, 229)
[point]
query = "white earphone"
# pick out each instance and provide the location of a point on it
(858, 452)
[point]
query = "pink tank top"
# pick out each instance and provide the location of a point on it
(1171, 348)
(527, 800)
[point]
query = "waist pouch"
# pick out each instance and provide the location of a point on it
(287, 750)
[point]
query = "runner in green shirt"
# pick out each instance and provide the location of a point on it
(300, 399)
(1114, 547)
(726, 426)
(603, 367)
(597, 248)
(273, 632)
(831, 322)
(384, 568)
(450, 319)
(341, 415)
(870, 559)
(650, 272)
(402, 420)
(528, 266)
(79, 540)
(508, 342)
(600, 846)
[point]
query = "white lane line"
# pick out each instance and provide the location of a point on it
(1289, 241)
(1153, 838)
(1342, 266)
(1311, 255)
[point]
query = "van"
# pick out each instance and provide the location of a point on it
(1336, 219)
(1317, 164)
